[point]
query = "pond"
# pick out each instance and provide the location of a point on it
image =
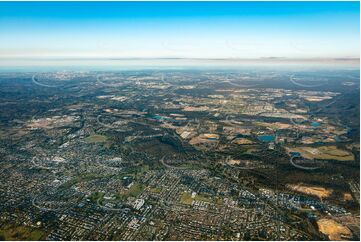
(266, 138)
(315, 124)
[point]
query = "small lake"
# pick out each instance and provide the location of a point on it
(266, 138)
(315, 124)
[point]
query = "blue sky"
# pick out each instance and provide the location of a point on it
(180, 29)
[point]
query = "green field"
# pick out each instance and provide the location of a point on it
(96, 138)
(323, 153)
(94, 197)
(134, 191)
(10, 232)
(202, 198)
(84, 177)
(155, 190)
(186, 198)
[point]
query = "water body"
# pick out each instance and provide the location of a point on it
(266, 138)
(212, 139)
(315, 124)
(295, 154)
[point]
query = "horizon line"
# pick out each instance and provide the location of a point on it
(271, 58)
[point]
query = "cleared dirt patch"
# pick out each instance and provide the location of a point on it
(333, 230)
(319, 192)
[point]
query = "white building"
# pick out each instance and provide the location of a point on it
(138, 204)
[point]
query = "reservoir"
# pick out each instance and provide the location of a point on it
(266, 138)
